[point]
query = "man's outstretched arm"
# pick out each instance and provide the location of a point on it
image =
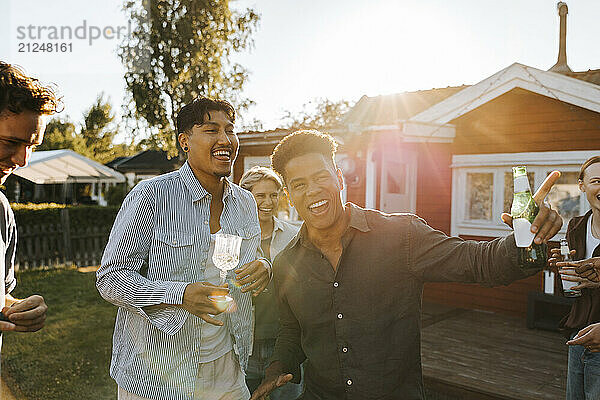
(434, 256)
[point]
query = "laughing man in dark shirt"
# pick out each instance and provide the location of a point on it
(349, 284)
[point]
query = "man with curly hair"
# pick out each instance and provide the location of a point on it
(349, 285)
(24, 103)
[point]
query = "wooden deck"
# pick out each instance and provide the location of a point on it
(486, 356)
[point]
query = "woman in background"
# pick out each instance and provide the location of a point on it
(583, 235)
(265, 185)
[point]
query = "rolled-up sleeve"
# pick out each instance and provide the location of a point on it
(436, 257)
(119, 278)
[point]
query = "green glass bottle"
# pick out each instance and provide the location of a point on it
(523, 211)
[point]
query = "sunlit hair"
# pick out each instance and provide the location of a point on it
(198, 110)
(19, 92)
(300, 143)
(586, 164)
(257, 174)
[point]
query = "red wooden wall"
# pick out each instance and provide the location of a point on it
(521, 121)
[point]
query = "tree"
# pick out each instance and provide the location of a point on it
(98, 132)
(115, 195)
(317, 114)
(93, 138)
(178, 50)
(60, 134)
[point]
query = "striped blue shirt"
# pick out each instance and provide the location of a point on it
(158, 245)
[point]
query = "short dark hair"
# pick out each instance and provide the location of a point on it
(19, 92)
(300, 143)
(195, 112)
(586, 164)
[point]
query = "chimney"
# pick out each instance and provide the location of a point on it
(561, 65)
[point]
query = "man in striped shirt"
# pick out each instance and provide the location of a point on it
(171, 341)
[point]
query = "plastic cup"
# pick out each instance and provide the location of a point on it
(567, 288)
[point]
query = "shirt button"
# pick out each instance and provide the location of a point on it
(335, 284)
(349, 382)
(205, 222)
(340, 316)
(344, 349)
(174, 241)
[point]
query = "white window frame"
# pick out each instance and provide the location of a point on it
(539, 163)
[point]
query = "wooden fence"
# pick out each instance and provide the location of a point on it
(52, 245)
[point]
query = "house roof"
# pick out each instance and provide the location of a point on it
(434, 121)
(260, 138)
(546, 83)
(117, 161)
(389, 109)
(60, 166)
(592, 75)
(147, 160)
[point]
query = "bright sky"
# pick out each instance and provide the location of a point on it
(336, 49)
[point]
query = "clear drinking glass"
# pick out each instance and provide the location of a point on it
(226, 257)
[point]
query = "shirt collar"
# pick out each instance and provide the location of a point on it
(196, 189)
(277, 224)
(358, 218)
(358, 221)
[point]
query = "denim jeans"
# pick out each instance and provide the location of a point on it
(583, 375)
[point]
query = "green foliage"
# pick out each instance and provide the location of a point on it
(60, 134)
(178, 50)
(37, 214)
(115, 195)
(49, 213)
(69, 358)
(98, 131)
(92, 215)
(93, 138)
(317, 114)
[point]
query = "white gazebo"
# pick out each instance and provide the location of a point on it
(67, 169)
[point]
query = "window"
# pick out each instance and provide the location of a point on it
(482, 188)
(565, 196)
(479, 195)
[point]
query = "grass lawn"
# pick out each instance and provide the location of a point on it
(69, 358)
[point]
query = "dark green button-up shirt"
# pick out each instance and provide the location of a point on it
(359, 327)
